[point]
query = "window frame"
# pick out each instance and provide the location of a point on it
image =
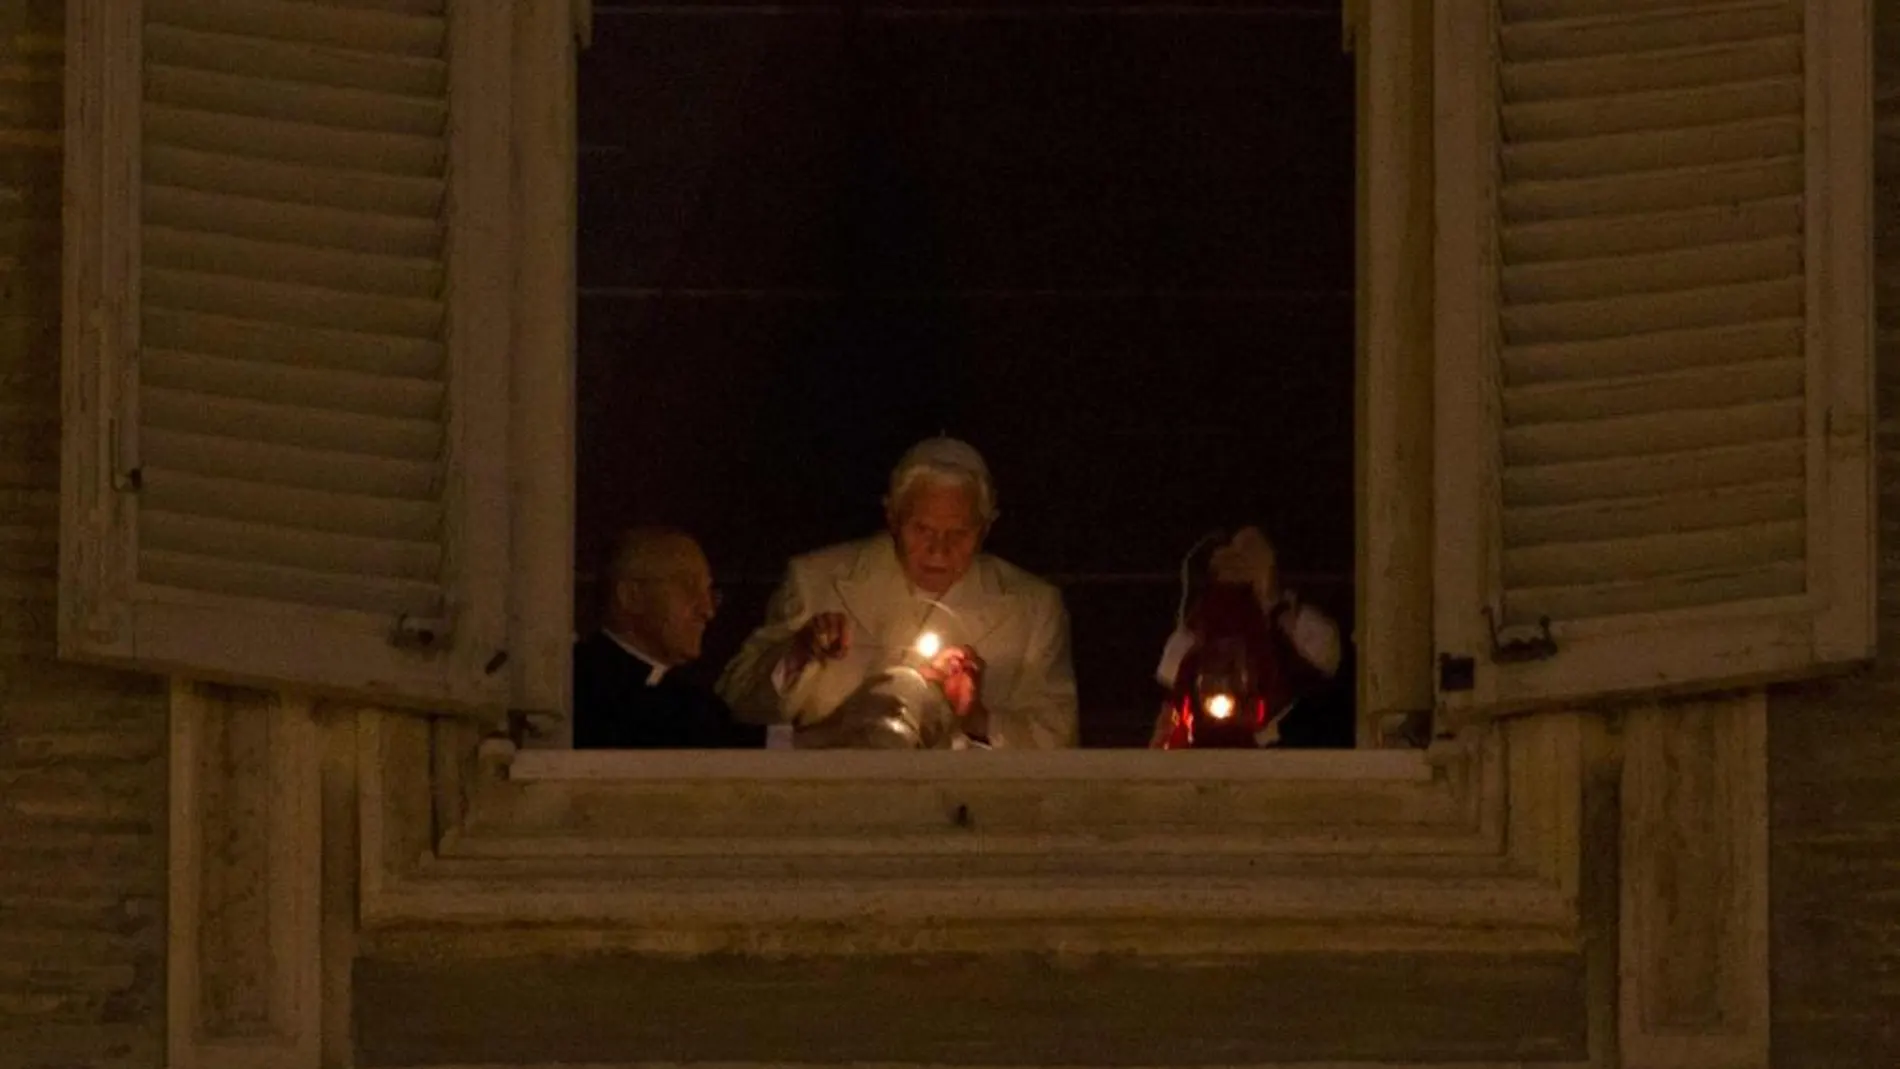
(1392, 377)
(1475, 844)
(1393, 846)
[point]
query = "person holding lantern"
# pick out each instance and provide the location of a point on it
(1244, 655)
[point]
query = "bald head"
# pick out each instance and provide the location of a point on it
(659, 593)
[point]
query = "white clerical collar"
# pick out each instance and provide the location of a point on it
(658, 670)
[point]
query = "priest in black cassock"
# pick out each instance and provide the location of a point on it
(628, 693)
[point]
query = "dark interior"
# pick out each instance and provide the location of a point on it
(1110, 245)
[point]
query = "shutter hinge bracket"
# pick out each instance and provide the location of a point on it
(1456, 672)
(128, 476)
(419, 635)
(1509, 645)
(1517, 645)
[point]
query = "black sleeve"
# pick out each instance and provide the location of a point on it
(593, 700)
(723, 731)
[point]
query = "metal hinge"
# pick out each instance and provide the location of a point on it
(1509, 645)
(1456, 672)
(1410, 729)
(420, 635)
(1517, 645)
(128, 477)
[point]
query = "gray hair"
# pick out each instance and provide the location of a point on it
(635, 550)
(943, 461)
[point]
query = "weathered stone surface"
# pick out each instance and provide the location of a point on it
(82, 768)
(971, 1011)
(1834, 760)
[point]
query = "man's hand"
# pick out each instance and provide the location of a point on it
(1249, 558)
(825, 637)
(959, 672)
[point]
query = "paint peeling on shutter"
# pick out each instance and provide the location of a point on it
(292, 408)
(1650, 306)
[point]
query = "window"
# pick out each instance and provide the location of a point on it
(318, 425)
(1109, 245)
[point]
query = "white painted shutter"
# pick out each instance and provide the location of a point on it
(1652, 345)
(293, 467)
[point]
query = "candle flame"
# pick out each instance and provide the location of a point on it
(929, 643)
(1219, 706)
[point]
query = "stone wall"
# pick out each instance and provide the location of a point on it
(82, 751)
(1834, 773)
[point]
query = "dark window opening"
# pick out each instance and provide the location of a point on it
(1111, 246)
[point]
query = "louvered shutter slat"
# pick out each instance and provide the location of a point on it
(1575, 29)
(311, 306)
(1658, 435)
(1702, 279)
(1630, 194)
(1659, 351)
(355, 514)
(1608, 480)
(1528, 526)
(1768, 57)
(345, 391)
(1650, 358)
(1613, 395)
(1591, 237)
(329, 25)
(1689, 590)
(1689, 151)
(1650, 312)
(1583, 116)
(312, 551)
(214, 570)
(172, 44)
(291, 203)
(217, 93)
(391, 233)
(330, 269)
(286, 141)
(290, 424)
(301, 346)
(293, 466)
(1601, 276)
(418, 198)
(1657, 556)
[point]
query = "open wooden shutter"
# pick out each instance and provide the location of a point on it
(287, 343)
(1652, 345)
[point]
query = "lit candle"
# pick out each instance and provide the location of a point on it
(1220, 706)
(928, 644)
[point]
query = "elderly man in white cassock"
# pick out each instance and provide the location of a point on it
(993, 639)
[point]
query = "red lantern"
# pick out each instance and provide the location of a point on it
(1232, 680)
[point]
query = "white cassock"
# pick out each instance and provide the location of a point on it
(1014, 621)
